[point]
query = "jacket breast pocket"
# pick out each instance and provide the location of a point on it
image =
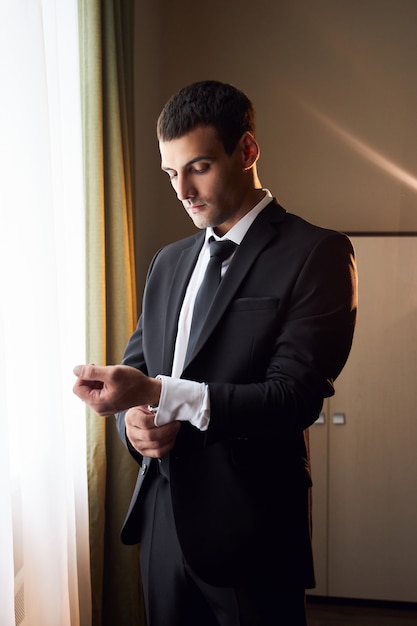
(263, 303)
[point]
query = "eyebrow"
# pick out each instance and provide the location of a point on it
(194, 160)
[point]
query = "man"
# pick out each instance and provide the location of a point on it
(222, 502)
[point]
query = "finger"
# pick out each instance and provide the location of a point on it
(89, 372)
(78, 369)
(139, 410)
(155, 437)
(140, 417)
(152, 449)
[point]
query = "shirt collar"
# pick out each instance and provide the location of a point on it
(239, 230)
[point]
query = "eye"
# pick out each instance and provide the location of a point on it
(201, 169)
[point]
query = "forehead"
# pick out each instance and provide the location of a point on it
(202, 142)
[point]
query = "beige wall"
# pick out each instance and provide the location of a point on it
(334, 85)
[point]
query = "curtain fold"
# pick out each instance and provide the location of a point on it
(107, 102)
(44, 557)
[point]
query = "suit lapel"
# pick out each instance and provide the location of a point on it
(263, 230)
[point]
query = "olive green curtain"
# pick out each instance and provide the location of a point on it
(106, 52)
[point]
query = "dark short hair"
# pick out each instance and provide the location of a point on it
(208, 103)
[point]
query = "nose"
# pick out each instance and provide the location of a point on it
(184, 188)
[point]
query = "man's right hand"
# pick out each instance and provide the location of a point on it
(114, 388)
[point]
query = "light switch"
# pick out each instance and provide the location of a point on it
(339, 419)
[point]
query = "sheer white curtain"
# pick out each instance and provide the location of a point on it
(44, 554)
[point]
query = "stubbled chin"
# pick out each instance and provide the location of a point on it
(200, 220)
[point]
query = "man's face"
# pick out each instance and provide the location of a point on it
(211, 184)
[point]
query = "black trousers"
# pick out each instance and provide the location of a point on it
(175, 596)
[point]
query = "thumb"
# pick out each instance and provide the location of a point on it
(88, 372)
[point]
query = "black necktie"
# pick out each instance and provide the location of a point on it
(219, 252)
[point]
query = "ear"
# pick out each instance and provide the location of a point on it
(249, 149)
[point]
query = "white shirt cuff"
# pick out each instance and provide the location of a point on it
(184, 401)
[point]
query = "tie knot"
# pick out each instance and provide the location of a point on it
(221, 249)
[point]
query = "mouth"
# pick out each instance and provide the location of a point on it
(195, 208)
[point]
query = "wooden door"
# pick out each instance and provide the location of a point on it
(364, 457)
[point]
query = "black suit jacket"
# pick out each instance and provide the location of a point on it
(278, 334)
